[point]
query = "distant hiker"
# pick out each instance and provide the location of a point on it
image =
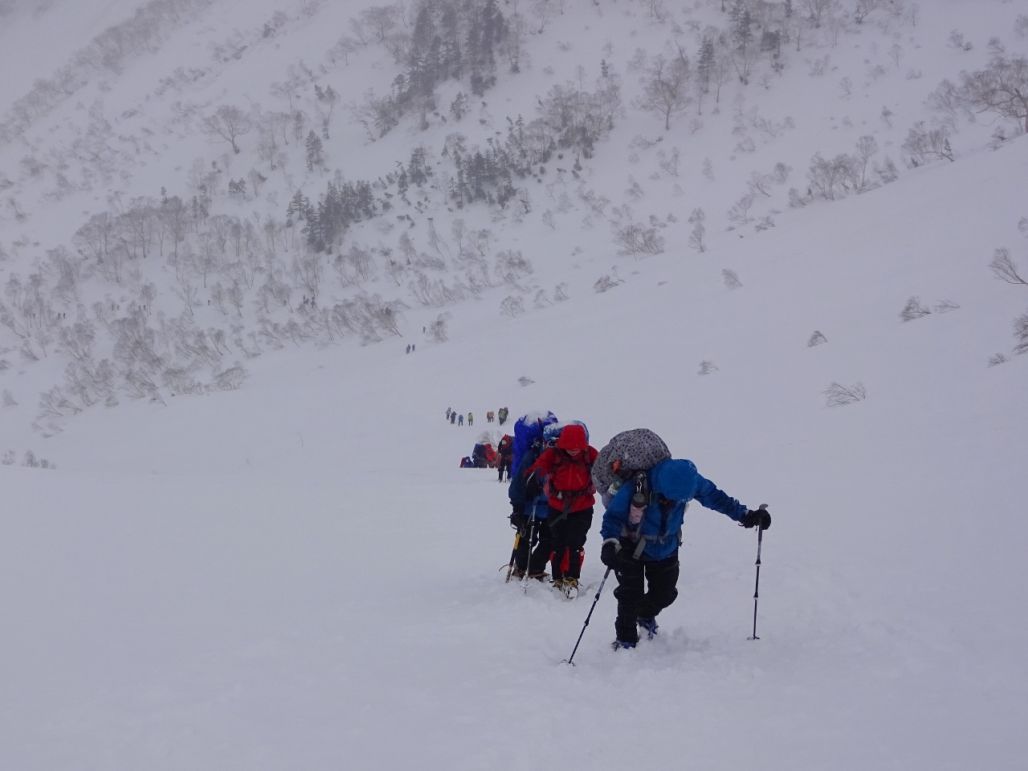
(490, 416)
(408, 347)
(471, 419)
(642, 530)
(638, 449)
(413, 347)
(504, 456)
(448, 413)
(502, 415)
(570, 493)
(453, 417)
(460, 419)
(480, 455)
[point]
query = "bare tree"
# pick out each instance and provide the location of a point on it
(838, 395)
(1003, 267)
(437, 330)
(228, 123)
(512, 306)
(864, 8)
(380, 21)
(1001, 88)
(731, 278)
(638, 239)
(867, 147)
(816, 10)
(664, 89)
(1021, 333)
(925, 144)
(913, 310)
(699, 230)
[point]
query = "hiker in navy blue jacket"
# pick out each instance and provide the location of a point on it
(642, 530)
(528, 505)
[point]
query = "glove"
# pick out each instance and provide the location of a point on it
(610, 555)
(761, 517)
(518, 520)
(533, 488)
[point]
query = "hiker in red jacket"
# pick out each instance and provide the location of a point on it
(567, 469)
(505, 456)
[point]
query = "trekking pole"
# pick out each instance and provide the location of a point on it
(570, 659)
(528, 561)
(756, 586)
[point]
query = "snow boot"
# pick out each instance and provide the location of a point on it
(619, 644)
(569, 588)
(650, 625)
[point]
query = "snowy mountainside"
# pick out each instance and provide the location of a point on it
(144, 258)
(297, 573)
(293, 572)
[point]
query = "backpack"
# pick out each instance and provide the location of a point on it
(637, 449)
(552, 432)
(479, 456)
(529, 429)
(570, 477)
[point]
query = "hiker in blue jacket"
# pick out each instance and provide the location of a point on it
(529, 513)
(642, 530)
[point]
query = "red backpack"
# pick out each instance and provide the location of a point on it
(571, 475)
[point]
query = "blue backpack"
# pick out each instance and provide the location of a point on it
(529, 429)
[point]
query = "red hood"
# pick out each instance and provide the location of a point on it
(572, 437)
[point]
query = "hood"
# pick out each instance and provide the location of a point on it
(675, 479)
(572, 437)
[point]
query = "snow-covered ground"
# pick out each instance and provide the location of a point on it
(298, 575)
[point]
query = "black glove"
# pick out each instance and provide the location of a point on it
(761, 517)
(533, 488)
(518, 520)
(610, 555)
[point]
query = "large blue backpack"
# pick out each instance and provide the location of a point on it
(529, 429)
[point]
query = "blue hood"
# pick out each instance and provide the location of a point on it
(675, 479)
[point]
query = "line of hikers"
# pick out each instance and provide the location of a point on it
(457, 418)
(644, 492)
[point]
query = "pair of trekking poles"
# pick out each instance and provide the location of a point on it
(756, 594)
(531, 537)
(517, 542)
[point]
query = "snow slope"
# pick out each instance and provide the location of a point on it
(297, 575)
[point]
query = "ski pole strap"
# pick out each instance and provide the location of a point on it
(639, 547)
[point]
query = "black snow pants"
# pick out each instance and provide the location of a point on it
(643, 598)
(534, 546)
(504, 467)
(569, 535)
